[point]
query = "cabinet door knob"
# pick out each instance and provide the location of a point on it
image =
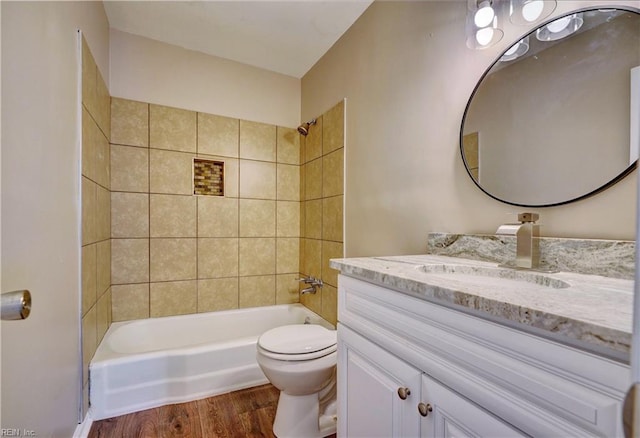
(424, 409)
(403, 393)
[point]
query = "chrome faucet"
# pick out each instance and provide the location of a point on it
(313, 284)
(527, 234)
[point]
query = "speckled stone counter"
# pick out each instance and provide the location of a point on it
(611, 258)
(587, 311)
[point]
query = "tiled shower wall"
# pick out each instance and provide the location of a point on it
(96, 228)
(322, 208)
(176, 253)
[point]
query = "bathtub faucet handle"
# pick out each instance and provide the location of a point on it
(307, 280)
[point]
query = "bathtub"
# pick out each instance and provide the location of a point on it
(153, 362)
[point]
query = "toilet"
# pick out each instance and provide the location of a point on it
(300, 360)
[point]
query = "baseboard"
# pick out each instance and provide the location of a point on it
(82, 431)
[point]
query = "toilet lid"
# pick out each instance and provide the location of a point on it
(297, 339)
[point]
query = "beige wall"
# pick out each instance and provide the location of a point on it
(407, 74)
(41, 207)
(176, 253)
(322, 208)
(96, 212)
(150, 71)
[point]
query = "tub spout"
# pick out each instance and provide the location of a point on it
(308, 290)
(313, 284)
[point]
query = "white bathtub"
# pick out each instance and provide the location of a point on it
(152, 362)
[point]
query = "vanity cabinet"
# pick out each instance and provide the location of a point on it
(386, 397)
(470, 376)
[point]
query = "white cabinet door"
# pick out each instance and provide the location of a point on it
(368, 382)
(451, 415)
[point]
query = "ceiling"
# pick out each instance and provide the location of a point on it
(286, 37)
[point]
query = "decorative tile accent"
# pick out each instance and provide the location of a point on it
(208, 177)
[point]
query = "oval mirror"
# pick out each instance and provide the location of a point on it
(556, 118)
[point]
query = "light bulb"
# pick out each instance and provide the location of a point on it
(484, 36)
(532, 10)
(513, 49)
(484, 15)
(559, 25)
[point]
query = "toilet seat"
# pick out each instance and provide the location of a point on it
(297, 342)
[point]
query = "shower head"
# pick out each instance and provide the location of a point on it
(304, 128)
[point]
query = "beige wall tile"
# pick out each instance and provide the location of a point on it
(287, 289)
(129, 261)
(288, 219)
(172, 216)
(333, 173)
(330, 304)
(257, 141)
(89, 211)
(129, 169)
(103, 315)
(89, 277)
(129, 215)
(170, 172)
(313, 219)
(257, 180)
(332, 219)
(288, 182)
(287, 255)
(313, 180)
(303, 182)
(89, 340)
(103, 107)
(217, 294)
(130, 301)
(333, 128)
(312, 258)
(217, 258)
(217, 216)
(172, 128)
(129, 122)
(257, 256)
(257, 291)
(257, 218)
(89, 77)
(103, 216)
(303, 219)
(103, 261)
(172, 259)
(231, 178)
(89, 145)
(103, 162)
(313, 143)
(218, 135)
(330, 250)
(302, 258)
(288, 146)
(173, 298)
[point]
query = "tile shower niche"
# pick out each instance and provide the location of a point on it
(208, 177)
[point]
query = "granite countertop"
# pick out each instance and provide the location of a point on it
(588, 311)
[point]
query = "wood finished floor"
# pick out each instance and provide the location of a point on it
(246, 413)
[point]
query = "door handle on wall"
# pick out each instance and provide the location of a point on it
(15, 305)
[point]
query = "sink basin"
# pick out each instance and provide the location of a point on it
(472, 273)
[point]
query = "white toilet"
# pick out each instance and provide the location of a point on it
(300, 360)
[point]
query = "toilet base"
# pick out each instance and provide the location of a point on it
(298, 416)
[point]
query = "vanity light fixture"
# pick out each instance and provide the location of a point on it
(560, 28)
(527, 12)
(482, 24)
(517, 50)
